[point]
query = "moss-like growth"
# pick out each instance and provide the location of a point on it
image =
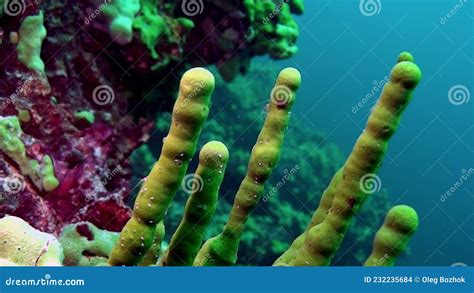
(275, 29)
(31, 35)
(11, 144)
(85, 115)
(23, 245)
(24, 116)
(121, 14)
(150, 25)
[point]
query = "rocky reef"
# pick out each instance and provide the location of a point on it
(78, 86)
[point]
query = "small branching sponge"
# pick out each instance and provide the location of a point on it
(392, 238)
(189, 113)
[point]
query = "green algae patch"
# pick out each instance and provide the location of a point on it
(121, 14)
(50, 182)
(151, 26)
(24, 116)
(31, 35)
(42, 175)
(85, 115)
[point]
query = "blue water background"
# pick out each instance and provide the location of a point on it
(342, 52)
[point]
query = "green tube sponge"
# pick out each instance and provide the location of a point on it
(23, 245)
(200, 206)
(189, 114)
(318, 217)
(86, 245)
(50, 182)
(222, 249)
(121, 14)
(153, 254)
(393, 237)
(323, 240)
(31, 35)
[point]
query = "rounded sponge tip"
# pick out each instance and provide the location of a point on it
(406, 73)
(214, 153)
(405, 56)
(290, 77)
(197, 82)
(402, 218)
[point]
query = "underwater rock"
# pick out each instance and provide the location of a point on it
(70, 70)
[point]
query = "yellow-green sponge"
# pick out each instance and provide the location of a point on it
(23, 245)
(189, 114)
(200, 206)
(222, 249)
(392, 238)
(323, 240)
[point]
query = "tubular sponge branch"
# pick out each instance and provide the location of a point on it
(392, 238)
(322, 241)
(222, 249)
(318, 217)
(200, 206)
(189, 113)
